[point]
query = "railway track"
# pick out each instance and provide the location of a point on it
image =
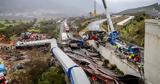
(91, 62)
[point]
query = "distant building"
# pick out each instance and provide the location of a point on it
(155, 14)
(158, 15)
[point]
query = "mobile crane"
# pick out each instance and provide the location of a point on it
(113, 37)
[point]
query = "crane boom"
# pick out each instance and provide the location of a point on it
(108, 16)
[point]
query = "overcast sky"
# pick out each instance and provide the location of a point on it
(76, 7)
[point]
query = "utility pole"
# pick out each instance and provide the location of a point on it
(95, 7)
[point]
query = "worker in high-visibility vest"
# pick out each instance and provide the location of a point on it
(116, 47)
(130, 57)
(1, 62)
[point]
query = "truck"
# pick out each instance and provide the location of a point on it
(76, 44)
(64, 38)
(66, 27)
(3, 69)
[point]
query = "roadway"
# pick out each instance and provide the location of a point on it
(125, 21)
(95, 26)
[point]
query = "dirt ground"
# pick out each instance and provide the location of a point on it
(17, 60)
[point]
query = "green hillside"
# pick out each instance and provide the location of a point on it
(134, 32)
(147, 9)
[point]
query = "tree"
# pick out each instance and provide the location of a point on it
(7, 21)
(2, 25)
(49, 27)
(54, 75)
(14, 21)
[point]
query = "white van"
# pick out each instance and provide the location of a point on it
(64, 38)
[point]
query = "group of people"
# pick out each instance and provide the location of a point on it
(98, 37)
(32, 36)
(134, 57)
